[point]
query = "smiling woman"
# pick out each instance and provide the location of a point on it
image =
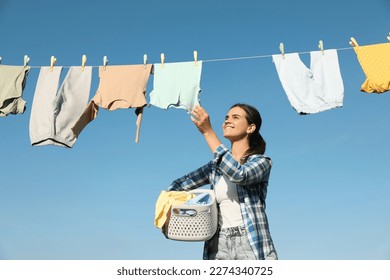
(239, 179)
(247, 117)
(96, 201)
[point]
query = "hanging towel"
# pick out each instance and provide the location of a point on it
(375, 62)
(311, 90)
(164, 202)
(54, 111)
(12, 83)
(176, 85)
(120, 87)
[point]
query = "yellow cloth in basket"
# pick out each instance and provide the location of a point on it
(164, 202)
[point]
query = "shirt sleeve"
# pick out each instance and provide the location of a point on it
(192, 180)
(255, 170)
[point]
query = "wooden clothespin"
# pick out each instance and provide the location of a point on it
(26, 60)
(162, 60)
(145, 60)
(353, 42)
(196, 58)
(321, 46)
(53, 61)
(281, 48)
(83, 62)
(105, 61)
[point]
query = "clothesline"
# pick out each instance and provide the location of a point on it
(259, 56)
(308, 90)
(217, 59)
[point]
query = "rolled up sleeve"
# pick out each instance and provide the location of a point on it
(255, 170)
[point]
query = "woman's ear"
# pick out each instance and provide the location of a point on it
(251, 128)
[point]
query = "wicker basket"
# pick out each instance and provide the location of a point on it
(193, 222)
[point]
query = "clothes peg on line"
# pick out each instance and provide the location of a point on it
(196, 58)
(26, 60)
(145, 60)
(353, 42)
(105, 61)
(83, 62)
(321, 46)
(281, 48)
(53, 61)
(162, 59)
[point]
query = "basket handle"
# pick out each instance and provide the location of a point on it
(184, 212)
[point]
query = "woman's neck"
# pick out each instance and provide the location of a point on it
(239, 148)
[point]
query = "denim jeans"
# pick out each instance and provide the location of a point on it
(232, 244)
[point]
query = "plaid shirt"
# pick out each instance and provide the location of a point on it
(251, 179)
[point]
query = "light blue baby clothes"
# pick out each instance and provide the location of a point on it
(176, 85)
(203, 198)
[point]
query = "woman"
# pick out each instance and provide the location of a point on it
(239, 178)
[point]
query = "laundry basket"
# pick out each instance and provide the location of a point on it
(193, 222)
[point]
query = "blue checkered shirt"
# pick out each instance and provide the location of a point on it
(251, 179)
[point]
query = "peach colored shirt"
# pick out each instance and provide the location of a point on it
(120, 87)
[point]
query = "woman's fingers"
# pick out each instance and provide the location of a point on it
(200, 113)
(201, 119)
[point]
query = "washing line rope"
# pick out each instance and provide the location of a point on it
(214, 60)
(258, 56)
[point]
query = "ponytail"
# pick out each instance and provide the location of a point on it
(256, 146)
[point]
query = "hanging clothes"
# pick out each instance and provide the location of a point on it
(375, 62)
(53, 112)
(120, 87)
(176, 85)
(12, 83)
(164, 202)
(311, 90)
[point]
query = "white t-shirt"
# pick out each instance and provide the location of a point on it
(227, 198)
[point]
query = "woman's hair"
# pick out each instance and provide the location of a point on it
(256, 141)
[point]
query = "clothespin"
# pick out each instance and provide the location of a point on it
(196, 58)
(105, 60)
(321, 46)
(162, 60)
(52, 62)
(353, 42)
(26, 60)
(281, 47)
(145, 60)
(83, 62)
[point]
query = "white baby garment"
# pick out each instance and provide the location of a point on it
(311, 90)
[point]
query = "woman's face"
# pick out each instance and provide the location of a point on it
(235, 126)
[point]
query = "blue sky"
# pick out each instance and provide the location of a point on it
(329, 189)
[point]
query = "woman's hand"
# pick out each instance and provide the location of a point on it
(202, 121)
